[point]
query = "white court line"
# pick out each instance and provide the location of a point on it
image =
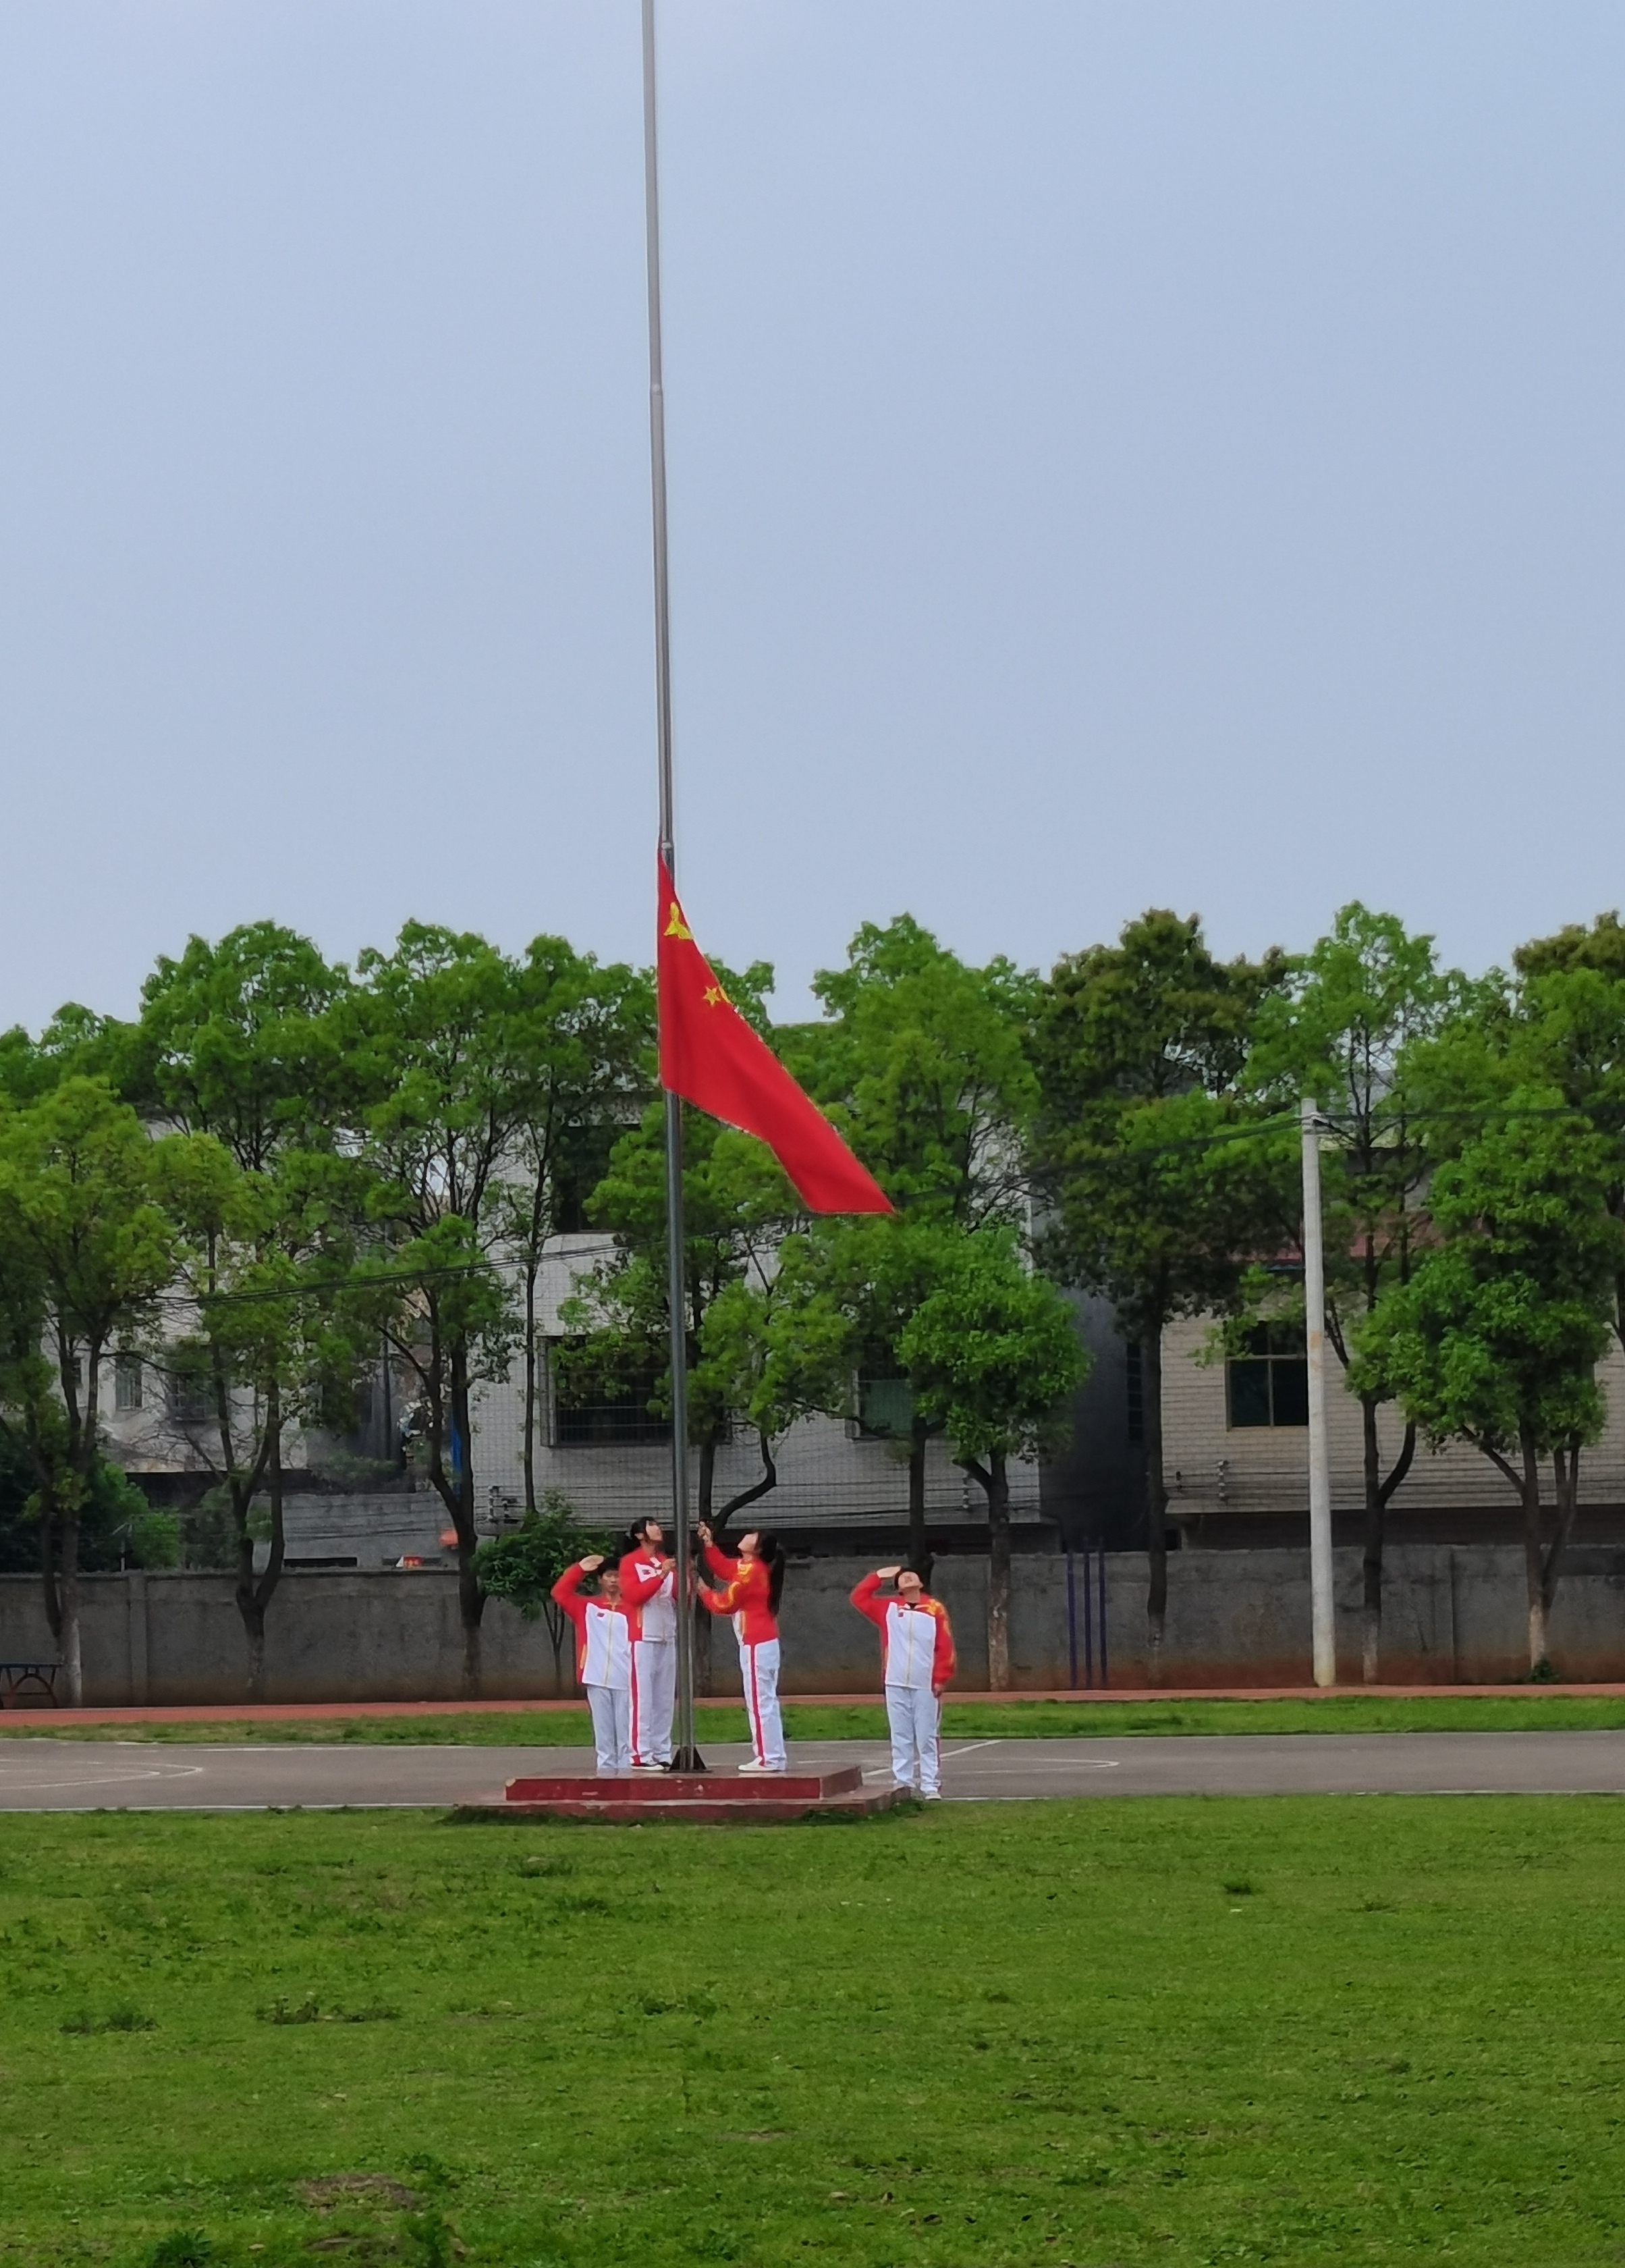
(948, 1755)
(1062, 1764)
(96, 1779)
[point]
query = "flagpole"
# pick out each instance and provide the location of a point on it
(687, 1756)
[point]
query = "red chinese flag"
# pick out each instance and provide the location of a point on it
(709, 1055)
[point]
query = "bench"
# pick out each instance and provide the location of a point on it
(25, 1684)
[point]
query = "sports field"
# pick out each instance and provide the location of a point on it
(1297, 2031)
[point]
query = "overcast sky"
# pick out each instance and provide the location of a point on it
(1165, 452)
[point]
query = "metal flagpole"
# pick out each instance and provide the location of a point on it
(1321, 1612)
(687, 1758)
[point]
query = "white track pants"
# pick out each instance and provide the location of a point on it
(654, 1698)
(758, 1671)
(913, 1712)
(612, 1728)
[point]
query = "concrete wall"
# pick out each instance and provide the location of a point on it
(1454, 1615)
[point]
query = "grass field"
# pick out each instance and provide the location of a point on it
(961, 1720)
(1292, 2031)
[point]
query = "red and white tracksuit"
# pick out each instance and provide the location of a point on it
(919, 1662)
(649, 1588)
(604, 1638)
(746, 1598)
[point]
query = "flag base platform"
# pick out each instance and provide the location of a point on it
(699, 1799)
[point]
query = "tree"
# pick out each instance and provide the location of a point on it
(737, 1206)
(1495, 1338)
(1140, 1049)
(117, 1524)
(587, 1035)
(994, 1355)
(444, 1066)
(524, 1565)
(85, 1250)
(1339, 1028)
(274, 1339)
(923, 1057)
(237, 1046)
(239, 1040)
(1568, 1032)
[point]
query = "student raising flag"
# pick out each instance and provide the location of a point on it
(709, 1055)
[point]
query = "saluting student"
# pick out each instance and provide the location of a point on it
(918, 1640)
(605, 1628)
(752, 1587)
(649, 1586)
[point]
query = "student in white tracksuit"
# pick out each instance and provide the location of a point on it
(603, 1658)
(918, 1640)
(649, 1589)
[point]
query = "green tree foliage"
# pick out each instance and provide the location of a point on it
(1569, 1031)
(1340, 1029)
(273, 1335)
(1141, 1050)
(993, 1356)
(737, 1206)
(587, 1036)
(86, 1251)
(118, 1526)
(1495, 1338)
(445, 1059)
(522, 1566)
(922, 1060)
(238, 1040)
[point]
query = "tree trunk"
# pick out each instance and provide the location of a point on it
(1566, 1467)
(1371, 1632)
(1156, 1505)
(1379, 1495)
(1533, 1572)
(265, 1590)
(68, 1591)
(47, 1569)
(919, 1433)
(470, 1590)
(530, 1382)
(994, 1481)
(753, 1494)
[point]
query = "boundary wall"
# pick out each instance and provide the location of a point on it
(1453, 1615)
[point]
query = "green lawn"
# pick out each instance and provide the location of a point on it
(962, 1720)
(1298, 2031)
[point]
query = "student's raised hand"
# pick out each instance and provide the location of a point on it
(590, 1564)
(704, 1532)
(888, 1574)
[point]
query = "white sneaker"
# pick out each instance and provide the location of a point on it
(932, 1795)
(753, 1766)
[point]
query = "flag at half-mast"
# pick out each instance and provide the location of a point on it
(710, 1056)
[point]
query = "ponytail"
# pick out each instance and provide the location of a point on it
(771, 1552)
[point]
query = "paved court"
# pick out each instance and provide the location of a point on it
(45, 1775)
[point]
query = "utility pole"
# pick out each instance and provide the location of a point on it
(1322, 1612)
(685, 1757)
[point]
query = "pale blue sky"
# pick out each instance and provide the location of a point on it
(1167, 453)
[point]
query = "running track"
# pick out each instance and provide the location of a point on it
(49, 1775)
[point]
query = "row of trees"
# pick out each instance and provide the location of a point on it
(282, 1170)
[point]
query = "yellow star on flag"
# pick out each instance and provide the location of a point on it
(713, 994)
(677, 926)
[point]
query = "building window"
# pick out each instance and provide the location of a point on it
(1268, 1385)
(884, 1409)
(127, 1382)
(1136, 1392)
(596, 1406)
(190, 1401)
